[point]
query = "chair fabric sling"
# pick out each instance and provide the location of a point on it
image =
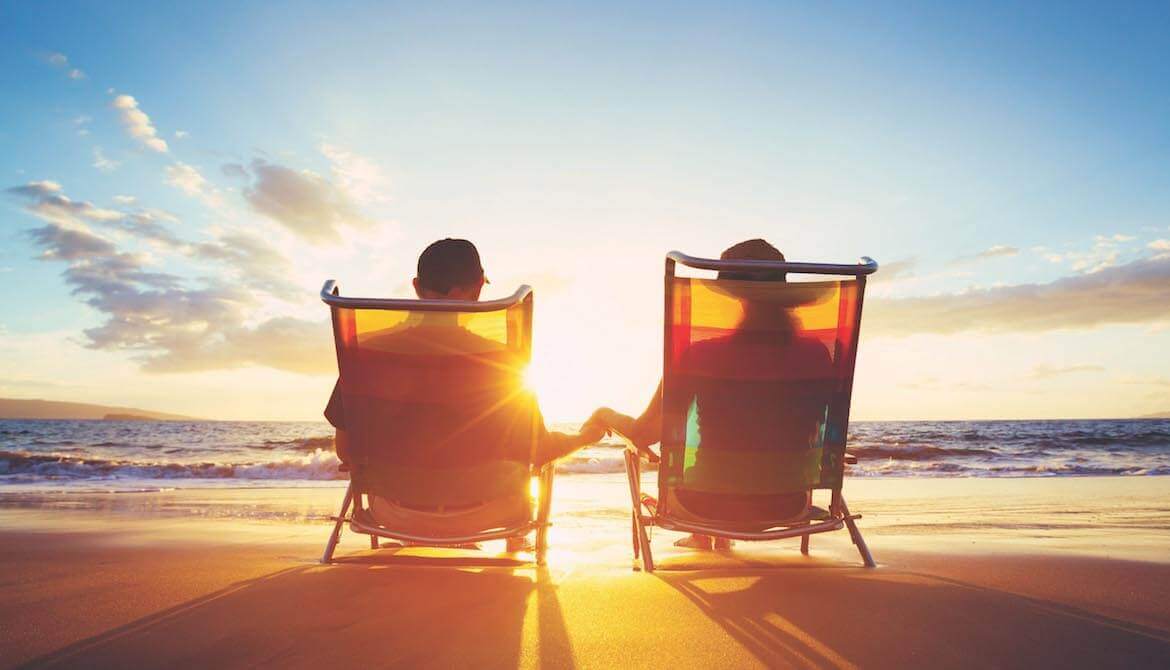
(757, 381)
(440, 428)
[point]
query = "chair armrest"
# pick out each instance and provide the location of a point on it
(642, 450)
(850, 459)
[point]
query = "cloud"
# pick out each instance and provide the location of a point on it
(1159, 245)
(180, 134)
(165, 322)
(189, 180)
(49, 204)
(934, 384)
(896, 270)
(257, 263)
(283, 343)
(1136, 292)
(1047, 372)
(80, 123)
(138, 124)
(249, 260)
(302, 201)
(125, 199)
(997, 251)
(37, 189)
(1105, 253)
(1146, 381)
(357, 176)
(234, 170)
(57, 59)
(102, 163)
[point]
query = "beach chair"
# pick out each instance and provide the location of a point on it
(439, 429)
(757, 378)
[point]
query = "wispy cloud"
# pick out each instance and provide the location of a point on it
(1048, 372)
(50, 204)
(102, 163)
(1136, 292)
(1105, 252)
(138, 124)
(997, 251)
(82, 124)
(302, 201)
(899, 269)
(357, 176)
(189, 180)
(60, 60)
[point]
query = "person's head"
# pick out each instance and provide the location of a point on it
(753, 250)
(449, 269)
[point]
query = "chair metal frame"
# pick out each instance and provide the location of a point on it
(644, 515)
(330, 295)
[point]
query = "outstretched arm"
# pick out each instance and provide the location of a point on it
(642, 431)
(554, 445)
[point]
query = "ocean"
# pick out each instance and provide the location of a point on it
(143, 456)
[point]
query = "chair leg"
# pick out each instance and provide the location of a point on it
(544, 512)
(335, 535)
(641, 539)
(858, 540)
(374, 542)
(634, 532)
(804, 544)
(644, 540)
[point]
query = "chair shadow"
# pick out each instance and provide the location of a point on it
(375, 609)
(828, 617)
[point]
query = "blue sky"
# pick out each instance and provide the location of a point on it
(974, 151)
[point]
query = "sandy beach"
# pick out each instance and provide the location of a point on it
(972, 573)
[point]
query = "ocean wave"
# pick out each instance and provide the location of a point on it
(596, 465)
(319, 464)
(298, 444)
(919, 453)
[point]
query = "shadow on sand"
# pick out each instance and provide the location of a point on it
(814, 613)
(374, 610)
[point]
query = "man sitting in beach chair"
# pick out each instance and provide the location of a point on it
(431, 397)
(753, 405)
(450, 269)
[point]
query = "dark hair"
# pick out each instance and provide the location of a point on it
(449, 263)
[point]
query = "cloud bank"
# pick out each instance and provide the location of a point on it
(168, 324)
(1136, 292)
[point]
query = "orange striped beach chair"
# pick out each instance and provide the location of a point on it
(439, 428)
(757, 380)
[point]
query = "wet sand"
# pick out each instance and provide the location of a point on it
(972, 573)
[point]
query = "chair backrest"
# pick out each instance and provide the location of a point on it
(757, 377)
(432, 385)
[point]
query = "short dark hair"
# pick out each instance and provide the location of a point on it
(449, 263)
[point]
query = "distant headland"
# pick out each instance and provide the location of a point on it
(20, 408)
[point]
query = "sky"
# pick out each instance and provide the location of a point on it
(178, 180)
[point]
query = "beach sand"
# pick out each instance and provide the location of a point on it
(972, 573)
